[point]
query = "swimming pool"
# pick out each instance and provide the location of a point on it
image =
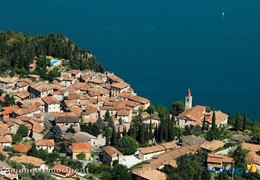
(54, 61)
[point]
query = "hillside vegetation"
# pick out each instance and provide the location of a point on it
(17, 51)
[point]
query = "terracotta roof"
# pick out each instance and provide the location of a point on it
(35, 101)
(169, 145)
(9, 110)
(45, 142)
(112, 151)
(2, 98)
(77, 110)
(252, 158)
(152, 174)
(219, 158)
(99, 90)
(195, 114)
(114, 78)
(95, 81)
(4, 129)
(27, 80)
(131, 103)
(220, 116)
(166, 158)
(151, 149)
(64, 114)
(28, 160)
(56, 85)
(251, 147)
(23, 94)
(81, 147)
(50, 100)
(5, 140)
(26, 110)
(139, 99)
(74, 72)
(213, 145)
(41, 86)
(123, 113)
(120, 85)
(89, 120)
(22, 148)
(22, 84)
(8, 80)
(124, 95)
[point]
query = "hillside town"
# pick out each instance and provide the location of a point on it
(49, 126)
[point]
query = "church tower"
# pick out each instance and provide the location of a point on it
(188, 100)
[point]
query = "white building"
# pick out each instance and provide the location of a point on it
(51, 104)
(45, 144)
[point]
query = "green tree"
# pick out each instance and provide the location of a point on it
(177, 107)
(213, 124)
(107, 137)
(162, 111)
(23, 130)
(71, 130)
(244, 122)
(113, 141)
(239, 156)
(1, 92)
(187, 131)
(204, 124)
(127, 145)
(2, 157)
(121, 172)
(238, 121)
(150, 130)
(81, 156)
(9, 100)
(151, 109)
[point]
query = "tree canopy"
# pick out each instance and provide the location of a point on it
(127, 145)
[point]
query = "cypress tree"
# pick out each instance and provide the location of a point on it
(165, 129)
(171, 130)
(156, 132)
(124, 132)
(160, 129)
(150, 130)
(204, 124)
(107, 137)
(142, 134)
(113, 140)
(146, 134)
(238, 121)
(213, 125)
(244, 122)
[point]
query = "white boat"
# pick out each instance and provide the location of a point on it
(223, 13)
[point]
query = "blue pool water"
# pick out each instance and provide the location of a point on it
(54, 61)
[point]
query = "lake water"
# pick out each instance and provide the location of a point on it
(161, 48)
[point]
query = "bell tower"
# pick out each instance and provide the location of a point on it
(188, 100)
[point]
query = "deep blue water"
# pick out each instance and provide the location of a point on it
(161, 47)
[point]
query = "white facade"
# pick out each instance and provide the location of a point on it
(52, 107)
(46, 148)
(145, 157)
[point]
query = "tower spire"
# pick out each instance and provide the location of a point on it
(189, 93)
(188, 100)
